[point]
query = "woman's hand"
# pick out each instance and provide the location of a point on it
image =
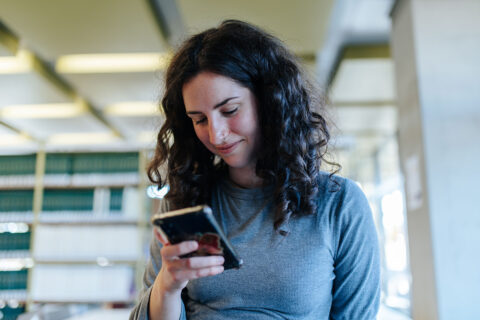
(176, 272)
(165, 298)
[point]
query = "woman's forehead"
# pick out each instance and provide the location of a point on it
(210, 88)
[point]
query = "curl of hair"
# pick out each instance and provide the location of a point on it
(294, 133)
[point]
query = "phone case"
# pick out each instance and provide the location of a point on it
(197, 223)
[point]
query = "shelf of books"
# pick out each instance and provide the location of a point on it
(81, 243)
(17, 180)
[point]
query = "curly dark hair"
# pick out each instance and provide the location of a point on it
(294, 133)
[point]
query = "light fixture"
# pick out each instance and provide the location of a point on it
(81, 138)
(112, 62)
(8, 140)
(133, 109)
(22, 62)
(50, 110)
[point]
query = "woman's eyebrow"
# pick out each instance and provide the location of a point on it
(223, 102)
(215, 106)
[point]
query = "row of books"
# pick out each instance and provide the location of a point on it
(100, 200)
(67, 199)
(71, 169)
(71, 163)
(91, 162)
(87, 243)
(14, 241)
(82, 283)
(17, 165)
(13, 280)
(16, 200)
(108, 205)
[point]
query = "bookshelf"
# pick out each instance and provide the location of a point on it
(72, 228)
(17, 172)
(17, 181)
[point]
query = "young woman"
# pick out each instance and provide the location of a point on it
(243, 133)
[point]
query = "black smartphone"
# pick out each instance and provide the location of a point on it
(197, 223)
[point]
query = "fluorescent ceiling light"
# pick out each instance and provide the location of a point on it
(82, 138)
(134, 108)
(8, 140)
(22, 62)
(112, 62)
(51, 110)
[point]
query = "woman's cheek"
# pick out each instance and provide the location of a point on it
(201, 135)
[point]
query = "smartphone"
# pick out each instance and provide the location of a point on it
(197, 223)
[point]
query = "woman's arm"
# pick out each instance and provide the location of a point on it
(141, 309)
(356, 288)
(165, 298)
(165, 277)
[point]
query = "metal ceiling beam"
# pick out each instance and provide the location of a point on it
(8, 39)
(10, 42)
(23, 133)
(361, 51)
(169, 20)
(44, 69)
(378, 104)
(48, 73)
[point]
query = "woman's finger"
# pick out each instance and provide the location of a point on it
(174, 251)
(195, 263)
(190, 274)
(160, 237)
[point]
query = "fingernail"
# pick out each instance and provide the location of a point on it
(193, 244)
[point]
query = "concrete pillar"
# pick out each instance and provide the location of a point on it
(436, 49)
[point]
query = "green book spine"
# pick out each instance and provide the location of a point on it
(17, 165)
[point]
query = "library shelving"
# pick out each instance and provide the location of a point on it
(72, 228)
(17, 180)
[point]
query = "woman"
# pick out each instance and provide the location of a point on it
(242, 135)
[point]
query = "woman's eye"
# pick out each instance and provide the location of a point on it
(230, 112)
(199, 121)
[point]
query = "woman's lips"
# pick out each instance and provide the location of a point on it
(227, 148)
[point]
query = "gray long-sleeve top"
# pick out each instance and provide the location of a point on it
(327, 267)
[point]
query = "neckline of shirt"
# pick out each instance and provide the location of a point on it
(246, 194)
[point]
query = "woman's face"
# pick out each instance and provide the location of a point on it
(224, 116)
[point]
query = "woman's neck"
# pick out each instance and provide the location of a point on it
(245, 177)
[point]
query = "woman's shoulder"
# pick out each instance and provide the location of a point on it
(337, 185)
(340, 193)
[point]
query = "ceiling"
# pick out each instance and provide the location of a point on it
(88, 74)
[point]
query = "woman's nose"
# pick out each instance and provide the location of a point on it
(218, 131)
